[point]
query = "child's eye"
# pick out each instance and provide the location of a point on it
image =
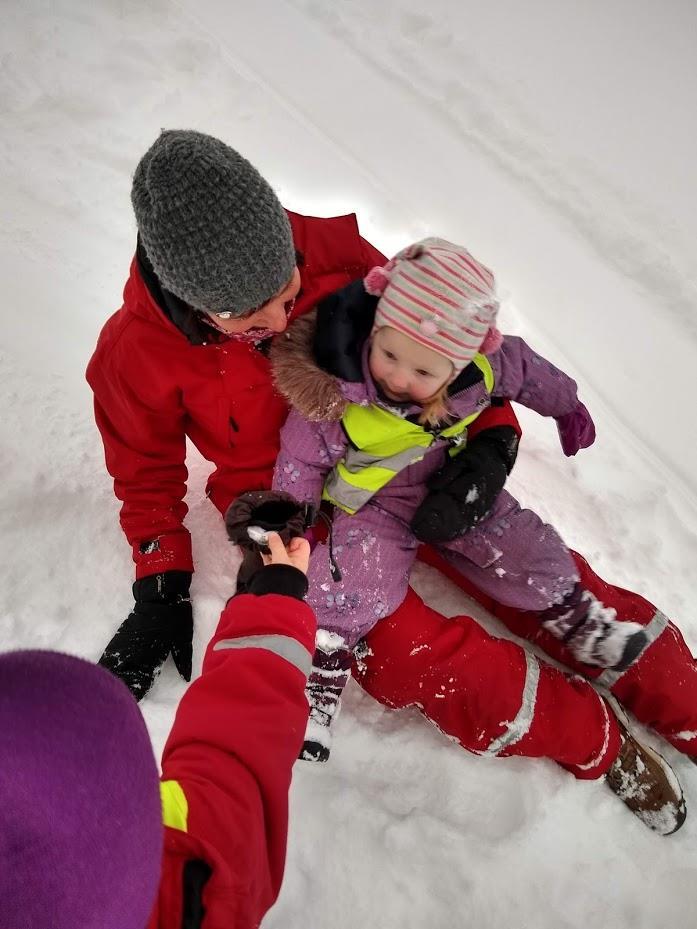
(390, 355)
(424, 373)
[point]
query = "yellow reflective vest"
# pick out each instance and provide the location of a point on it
(381, 444)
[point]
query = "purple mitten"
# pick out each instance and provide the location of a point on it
(576, 430)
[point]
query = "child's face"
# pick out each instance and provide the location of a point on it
(404, 369)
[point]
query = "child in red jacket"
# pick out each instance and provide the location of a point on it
(81, 836)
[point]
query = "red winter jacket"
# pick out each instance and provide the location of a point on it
(226, 768)
(152, 388)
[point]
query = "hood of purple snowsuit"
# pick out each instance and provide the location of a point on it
(322, 396)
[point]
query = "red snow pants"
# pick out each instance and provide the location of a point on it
(497, 699)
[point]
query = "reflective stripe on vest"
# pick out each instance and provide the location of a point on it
(382, 444)
(175, 807)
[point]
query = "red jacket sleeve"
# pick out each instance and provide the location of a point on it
(237, 732)
(140, 420)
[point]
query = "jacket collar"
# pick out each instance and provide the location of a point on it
(179, 313)
(321, 363)
(344, 323)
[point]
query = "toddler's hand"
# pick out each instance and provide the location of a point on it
(576, 430)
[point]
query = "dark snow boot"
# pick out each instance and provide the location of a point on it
(592, 632)
(331, 670)
(647, 785)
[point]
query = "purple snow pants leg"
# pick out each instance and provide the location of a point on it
(515, 558)
(375, 553)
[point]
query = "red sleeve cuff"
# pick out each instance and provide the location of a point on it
(273, 615)
(502, 415)
(168, 552)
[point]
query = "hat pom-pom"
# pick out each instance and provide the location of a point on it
(376, 281)
(492, 341)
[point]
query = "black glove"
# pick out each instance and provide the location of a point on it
(272, 511)
(161, 622)
(464, 490)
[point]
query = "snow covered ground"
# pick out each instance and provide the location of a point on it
(555, 140)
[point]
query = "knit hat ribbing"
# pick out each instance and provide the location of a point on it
(436, 293)
(213, 229)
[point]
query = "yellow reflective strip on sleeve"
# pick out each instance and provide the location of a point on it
(175, 808)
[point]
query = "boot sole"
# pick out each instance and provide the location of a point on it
(681, 808)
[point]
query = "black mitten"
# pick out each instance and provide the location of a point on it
(263, 511)
(161, 622)
(465, 489)
(270, 511)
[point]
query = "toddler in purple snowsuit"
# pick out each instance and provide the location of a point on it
(383, 384)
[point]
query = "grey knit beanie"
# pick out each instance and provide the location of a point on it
(212, 227)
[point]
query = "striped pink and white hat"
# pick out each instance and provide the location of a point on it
(439, 295)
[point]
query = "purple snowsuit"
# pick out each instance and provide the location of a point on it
(511, 554)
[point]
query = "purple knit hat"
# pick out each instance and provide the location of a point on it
(80, 817)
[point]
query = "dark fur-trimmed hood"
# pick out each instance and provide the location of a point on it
(318, 362)
(314, 393)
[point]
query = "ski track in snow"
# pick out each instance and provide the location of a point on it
(430, 56)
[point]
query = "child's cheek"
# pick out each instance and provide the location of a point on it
(421, 393)
(374, 367)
